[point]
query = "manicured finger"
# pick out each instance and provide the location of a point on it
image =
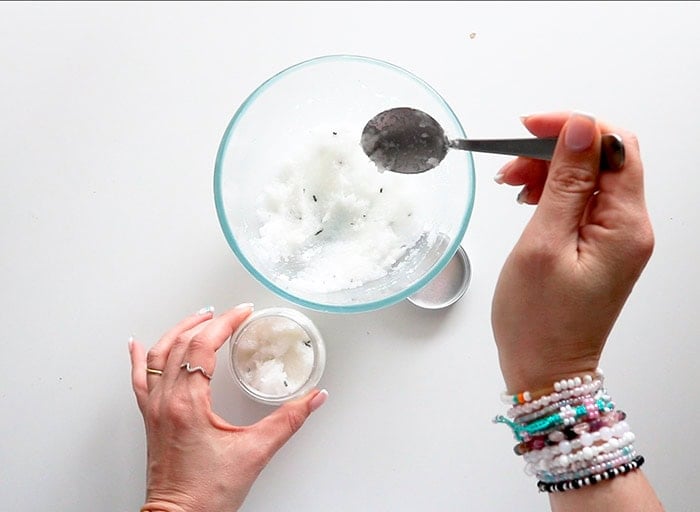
(201, 351)
(549, 124)
(530, 195)
(276, 429)
(571, 180)
(627, 183)
(522, 171)
(157, 356)
(622, 189)
(138, 372)
(528, 172)
(179, 349)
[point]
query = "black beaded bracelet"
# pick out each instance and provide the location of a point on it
(577, 483)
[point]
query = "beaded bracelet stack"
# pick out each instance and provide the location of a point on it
(570, 434)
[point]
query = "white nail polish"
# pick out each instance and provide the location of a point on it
(524, 117)
(205, 310)
(498, 178)
(583, 113)
(318, 400)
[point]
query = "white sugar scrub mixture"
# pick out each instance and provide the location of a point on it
(332, 221)
(274, 356)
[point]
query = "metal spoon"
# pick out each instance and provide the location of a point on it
(409, 141)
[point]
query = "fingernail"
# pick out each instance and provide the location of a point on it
(245, 305)
(580, 132)
(498, 178)
(205, 310)
(131, 342)
(318, 400)
(525, 117)
(522, 195)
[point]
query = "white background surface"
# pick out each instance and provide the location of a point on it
(110, 118)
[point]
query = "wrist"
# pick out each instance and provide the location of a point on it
(531, 373)
(527, 381)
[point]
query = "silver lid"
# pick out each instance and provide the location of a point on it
(448, 286)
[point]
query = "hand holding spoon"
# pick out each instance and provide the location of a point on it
(409, 141)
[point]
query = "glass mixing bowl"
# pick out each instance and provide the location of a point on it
(304, 210)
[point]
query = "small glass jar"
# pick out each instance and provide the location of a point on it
(276, 355)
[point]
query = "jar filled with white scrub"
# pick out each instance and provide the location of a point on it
(276, 355)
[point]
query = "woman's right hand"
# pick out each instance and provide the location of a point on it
(567, 278)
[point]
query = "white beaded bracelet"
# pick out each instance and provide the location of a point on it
(588, 452)
(596, 465)
(587, 388)
(562, 385)
(565, 447)
(620, 457)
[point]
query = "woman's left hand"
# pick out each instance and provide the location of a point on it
(196, 460)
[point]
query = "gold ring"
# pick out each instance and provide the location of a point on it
(153, 371)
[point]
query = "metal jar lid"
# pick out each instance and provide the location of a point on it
(448, 286)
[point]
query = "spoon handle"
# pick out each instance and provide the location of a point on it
(612, 150)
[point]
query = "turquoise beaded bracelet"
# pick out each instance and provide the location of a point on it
(567, 416)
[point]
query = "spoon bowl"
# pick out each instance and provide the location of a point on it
(409, 141)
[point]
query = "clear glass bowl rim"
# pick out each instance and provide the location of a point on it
(228, 232)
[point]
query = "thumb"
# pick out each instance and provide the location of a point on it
(572, 177)
(278, 427)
